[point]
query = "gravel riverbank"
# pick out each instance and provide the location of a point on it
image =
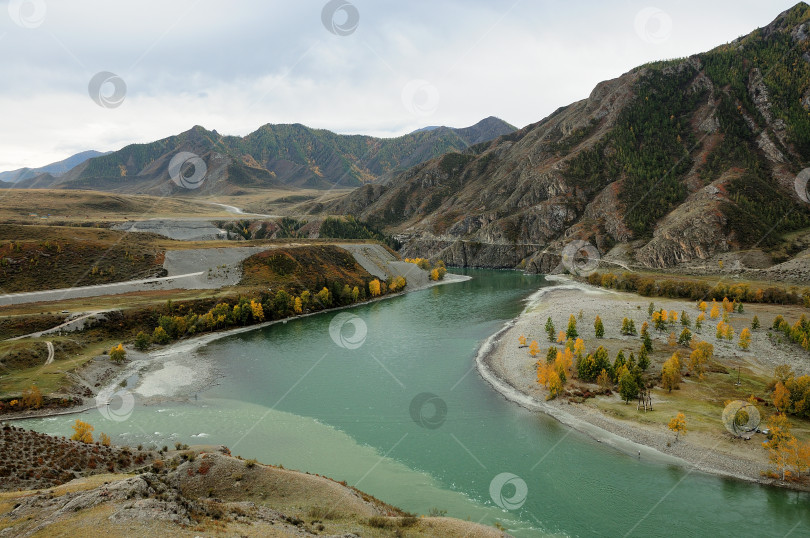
(511, 371)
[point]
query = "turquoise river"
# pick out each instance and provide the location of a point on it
(287, 394)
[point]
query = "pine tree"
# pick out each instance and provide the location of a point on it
(643, 358)
(598, 327)
(572, 327)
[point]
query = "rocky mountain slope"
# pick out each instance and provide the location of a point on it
(273, 156)
(676, 163)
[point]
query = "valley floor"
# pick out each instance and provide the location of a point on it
(707, 446)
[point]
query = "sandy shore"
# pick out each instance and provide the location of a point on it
(511, 371)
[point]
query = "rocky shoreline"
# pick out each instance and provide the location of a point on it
(511, 372)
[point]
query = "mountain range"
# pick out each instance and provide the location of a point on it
(675, 163)
(55, 169)
(273, 156)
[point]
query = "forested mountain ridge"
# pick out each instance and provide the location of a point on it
(274, 155)
(676, 163)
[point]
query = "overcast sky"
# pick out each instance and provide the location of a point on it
(367, 66)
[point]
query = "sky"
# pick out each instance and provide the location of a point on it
(101, 74)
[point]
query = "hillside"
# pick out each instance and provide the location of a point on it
(200, 491)
(683, 163)
(273, 156)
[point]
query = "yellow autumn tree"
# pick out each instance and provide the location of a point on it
(555, 385)
(118, 354)
(745, 339)
(671, 373)
(104, 439)
(374, 288)
(298, 306)
(543, 369)
(781, 397)
(678, 425)
(561, 337)
(702, 353)
(83, 432)
(672, 340)
(603, 380)
(534, 348)
(257, 309)
(728, 332)
(32, 397)
(702, 306)
(579, 347)
(715, 311)
(565, 361)
(522, 340)
(397, 283)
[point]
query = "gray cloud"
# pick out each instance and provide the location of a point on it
(235, 66)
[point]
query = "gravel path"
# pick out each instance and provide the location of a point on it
(51, 353)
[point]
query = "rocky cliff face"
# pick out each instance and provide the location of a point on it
(594, 170)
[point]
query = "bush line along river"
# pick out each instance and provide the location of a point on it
(288, 394)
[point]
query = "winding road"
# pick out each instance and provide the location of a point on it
(168, 282)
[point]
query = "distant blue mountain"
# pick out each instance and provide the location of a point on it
(54, 169)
